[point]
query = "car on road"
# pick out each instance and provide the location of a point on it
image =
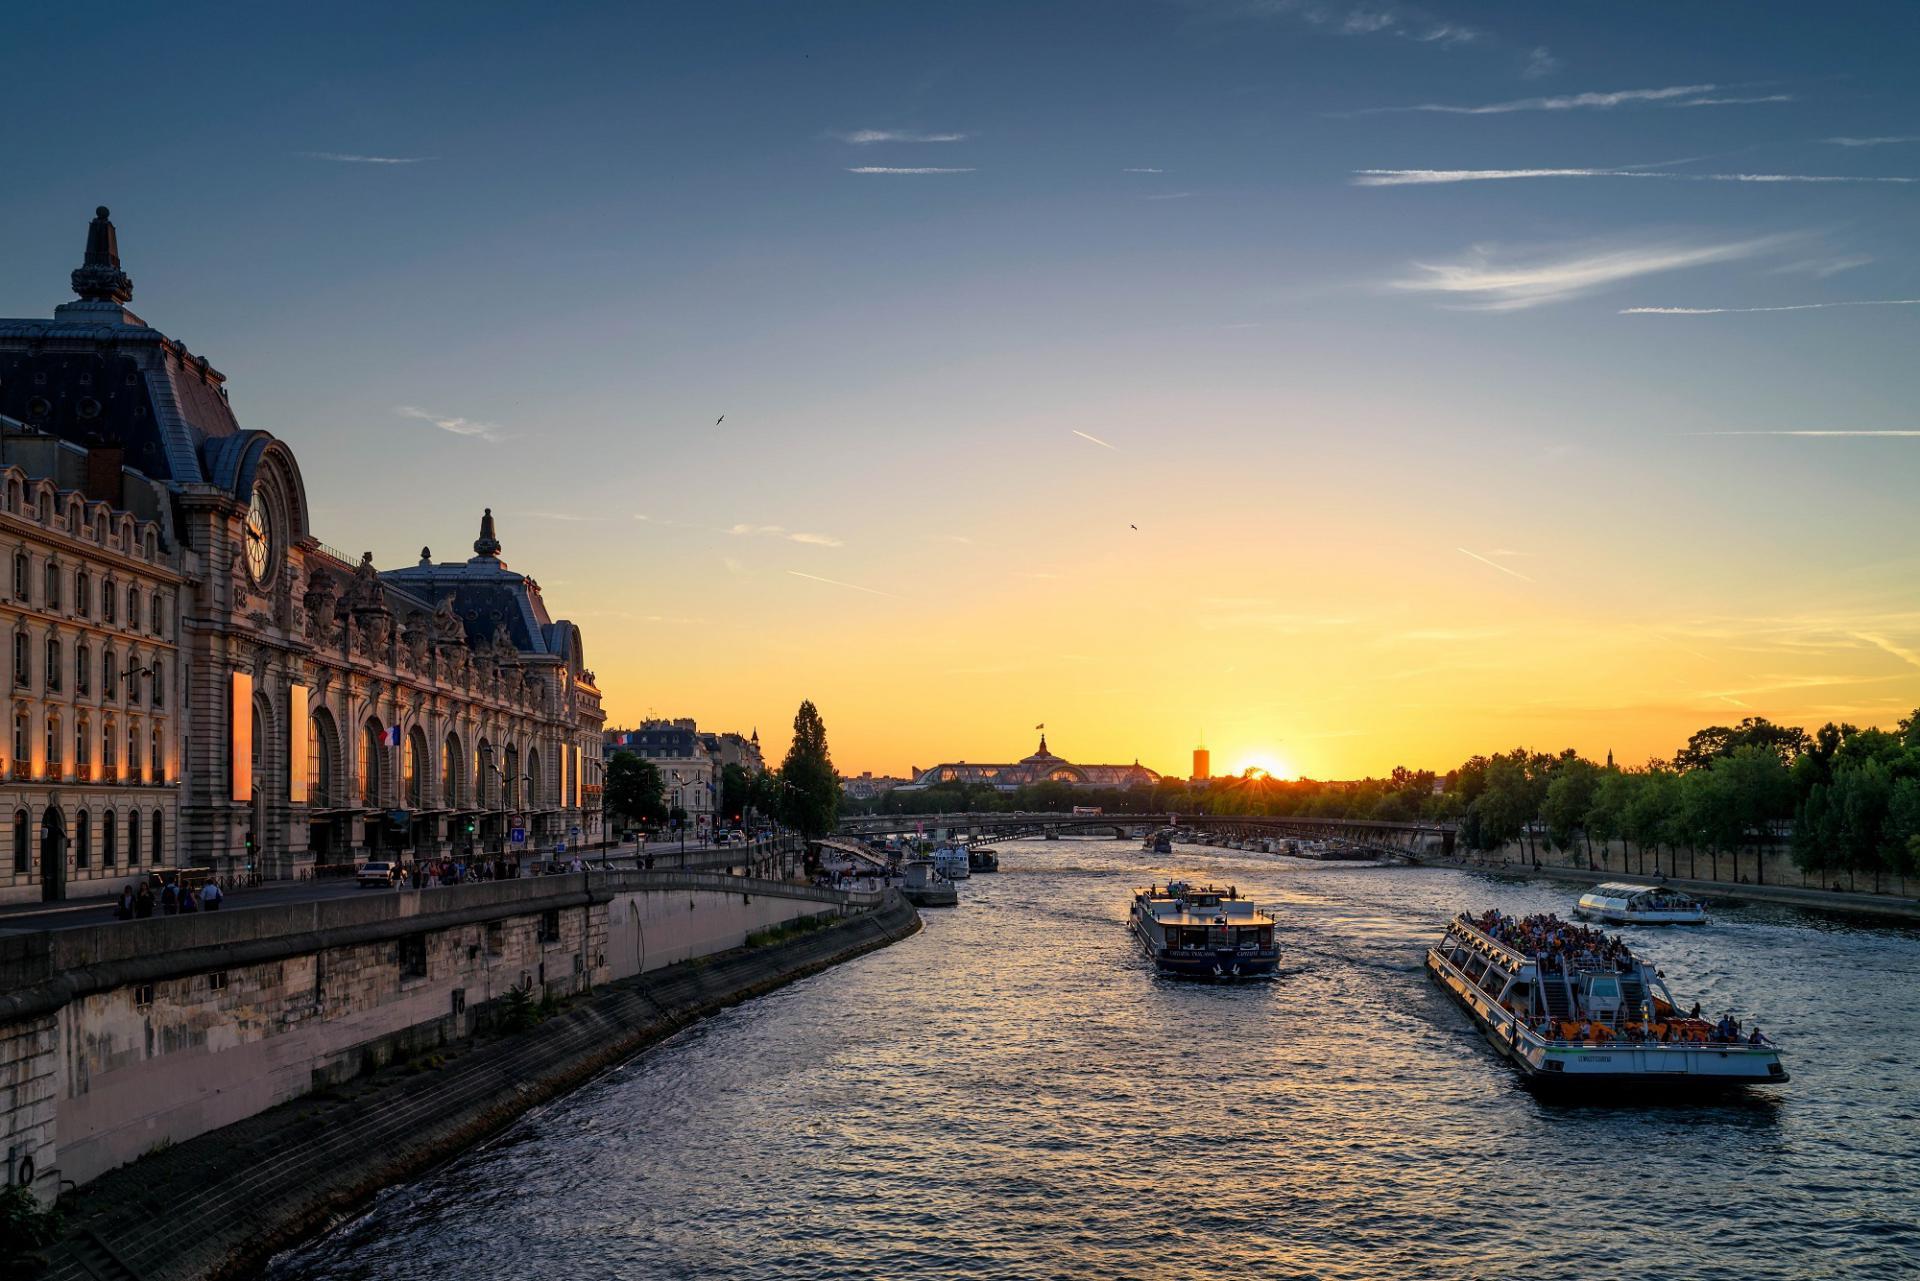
(378, 873)
(735, 837)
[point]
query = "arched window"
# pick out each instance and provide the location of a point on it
(157, 756)
(450, 773)
(22, 579)
(82, 667)
(133, 838)
(159, 681)
(22, 743)
(135, 674)
(22, 661)
(43, 508)
(56, 757)
(483, 775)
(109, 750)
(160, 615)
(158, 849)
(150, 545)
(53, 665)
(82, 747)
(100, 530)
(53, 585)
(417, 766)
(82, 840)
(510, 773)
(109, 675)
(82, 592)
(20, 836)
(372, 745)
(109, 839)
(534, 788)
(133, 606)
(108, 594)
(133, 750)
(323, 770)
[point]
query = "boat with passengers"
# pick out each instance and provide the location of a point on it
(1576, 1010)
(1203, 931)
(1618, 903)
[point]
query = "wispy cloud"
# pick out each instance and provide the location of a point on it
(1429, 177)
(1477, 281)
(781, 531)
(1540, 63)
(570, 518)
(755, 529)
(1900, 652)
(1823, 268)
(348, 158)
(899, 169)
(450, 423)
(1884, 141)
(1799, 306)
(816, 540)
(1143, 171)
(1494, 564)
(1095, 439)
(1670, 96)
(1896, 434)
(834, 582)
(1402, 21)
(867, 137)
(1169, 195)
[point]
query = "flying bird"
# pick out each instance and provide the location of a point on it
(722, 418)
(1134, 528)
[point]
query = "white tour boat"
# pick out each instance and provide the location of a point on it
(1204, 932)
(951, 862)
(1576, 1011)
(1619, 903)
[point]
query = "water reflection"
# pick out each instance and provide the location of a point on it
(1015, 1093)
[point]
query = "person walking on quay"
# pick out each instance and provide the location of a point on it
(210, 896)
(170, 899)
(189, 901)
(123, 910)
(143, 902)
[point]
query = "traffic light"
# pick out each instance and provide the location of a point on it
(471, 829)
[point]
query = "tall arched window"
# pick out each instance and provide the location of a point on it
(108, 594)
(450, 773)
(20, 836)
(534, 782)
(417, 765)
(323, 769)
(483, 775)
(133, 838)
(82, 667)
(157, 851)
(160, 615)
(109, 839)
(372, 745)
(56, 758)
(53, 586)
(22, 742)
(157, 756)
(82, 747)
(133, 606)
(109, 675)
(510, 772)
(54, 665)
(22, 578)
(135, 675)
(158, 681)
(22, 661)
(82, 592)
(133, 750)
(109, 750)
(82, 840)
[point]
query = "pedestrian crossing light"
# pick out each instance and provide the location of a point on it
(470, 829)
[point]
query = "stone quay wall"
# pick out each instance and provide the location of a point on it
(122, 1038)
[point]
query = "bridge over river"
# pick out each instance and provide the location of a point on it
(1413, 837)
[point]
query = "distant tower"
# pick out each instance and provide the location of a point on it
(1202, 764)
(1609, 758)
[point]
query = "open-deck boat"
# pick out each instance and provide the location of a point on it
(1576, 1011)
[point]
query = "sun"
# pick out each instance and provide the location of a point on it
(1269, 764)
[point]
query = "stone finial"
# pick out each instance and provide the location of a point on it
(99, 278)
(426, 555)
(488, 544)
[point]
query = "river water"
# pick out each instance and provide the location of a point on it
(1013, 1093)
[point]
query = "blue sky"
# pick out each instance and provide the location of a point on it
(609, 225)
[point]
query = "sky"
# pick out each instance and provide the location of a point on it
(1339, 384)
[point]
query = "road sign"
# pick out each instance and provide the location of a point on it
(519, 836)
(559, 847)
(575, 830)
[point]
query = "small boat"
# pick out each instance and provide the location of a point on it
(951, 862)
(1618, 903)
(923, 885)
(1158, 843)
(1193, 931)
(1577, 1012)
(983, 861)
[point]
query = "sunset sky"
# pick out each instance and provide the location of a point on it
(1475, 376)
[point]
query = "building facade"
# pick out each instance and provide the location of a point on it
(689, 772)
(329, 711)
(1041, 767)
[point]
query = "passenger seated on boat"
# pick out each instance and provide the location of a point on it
(1756, 1039)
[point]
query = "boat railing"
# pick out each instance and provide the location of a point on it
(1486, 942)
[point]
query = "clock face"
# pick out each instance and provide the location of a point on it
(261, 537)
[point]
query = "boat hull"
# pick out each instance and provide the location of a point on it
(1615, 917)
(1212, 967)
(1613, 1068)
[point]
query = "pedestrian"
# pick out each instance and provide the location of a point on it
(123, 910)
(210, 896)
(143, 902)
(170, 899)
(189, 901)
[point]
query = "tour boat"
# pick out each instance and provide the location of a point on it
(1576, 1011)
(1619, 903)
(1158, 843)
(1198, 931)
(951, 861)
(983, 861)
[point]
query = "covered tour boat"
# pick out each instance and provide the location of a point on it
(952, 862)
(1618, 903)
(1576, 1011)
(1204, 932)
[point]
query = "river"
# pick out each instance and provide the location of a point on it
(1013, 1093)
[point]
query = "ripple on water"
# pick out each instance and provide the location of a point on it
(1014, 1093)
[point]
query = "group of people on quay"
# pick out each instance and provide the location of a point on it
(1556, 945)
(138, 900)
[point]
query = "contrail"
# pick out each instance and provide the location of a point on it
(1800, 306)
(1885, 435)
(834, 582)
(1494, 563)
(1095, 439)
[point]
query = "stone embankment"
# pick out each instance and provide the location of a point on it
(219, 1205)
(1793, 895)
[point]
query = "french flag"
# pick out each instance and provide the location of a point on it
(390, 736)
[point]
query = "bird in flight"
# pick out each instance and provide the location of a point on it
(722, 418)
(1134, 528)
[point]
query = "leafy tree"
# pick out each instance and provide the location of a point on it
(737, 794)
(1785, 741)
(1607, 814)
(811, 795)
(1569, 800)
(634, 791)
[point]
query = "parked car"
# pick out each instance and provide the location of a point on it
(379, 873)
(735, 837)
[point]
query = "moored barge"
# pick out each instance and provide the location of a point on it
(1202, 931)
(1578, 1013)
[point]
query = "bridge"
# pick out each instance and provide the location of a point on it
(1380, 837)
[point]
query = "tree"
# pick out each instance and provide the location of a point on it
(1569, 801)
(736, 794)
(811, 795)
(1784, 741)
(633, 790)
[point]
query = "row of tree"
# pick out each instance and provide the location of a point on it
(803, 794)
(1846, 799)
